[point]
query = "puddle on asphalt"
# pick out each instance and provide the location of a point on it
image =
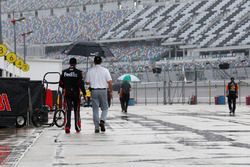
(125, 117)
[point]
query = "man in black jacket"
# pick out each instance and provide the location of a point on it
(72, 83)
(232, 93)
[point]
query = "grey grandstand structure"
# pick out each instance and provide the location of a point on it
(179, 37)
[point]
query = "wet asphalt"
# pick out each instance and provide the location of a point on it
(146, 136)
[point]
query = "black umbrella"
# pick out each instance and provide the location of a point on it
(116, 86)
(88, 49)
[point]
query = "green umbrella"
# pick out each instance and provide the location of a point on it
(129, 77)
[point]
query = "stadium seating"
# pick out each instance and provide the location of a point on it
(65, 28)
(202, 23)
(199, 23)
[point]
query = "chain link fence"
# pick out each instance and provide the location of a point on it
(180, 92)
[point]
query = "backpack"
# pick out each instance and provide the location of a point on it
(232, 88)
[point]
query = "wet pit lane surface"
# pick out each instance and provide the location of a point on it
(155, 136)
(14, 142)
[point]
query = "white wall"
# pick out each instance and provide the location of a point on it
(110, 6)
(93, 8)
(44, 13)
(127, 4)
(38, 68)
(9, 70)
(2, 62)
(59, 11)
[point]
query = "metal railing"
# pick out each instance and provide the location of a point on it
(178, 92)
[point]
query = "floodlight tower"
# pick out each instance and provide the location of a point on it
(24, 44)
(1, 34)
(13, 21)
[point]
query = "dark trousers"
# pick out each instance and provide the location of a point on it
(109, 99)
(88, 101)
(121, 102)
(124, 102)
(232, 100)
(73, 101)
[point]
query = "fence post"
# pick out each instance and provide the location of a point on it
(164, 92)
(145, 94)
(209, 92)
(157, 94)
(239, 93)
(169, 93)
(183, 92)
(195, 77)
(164, 88)
(136, 91)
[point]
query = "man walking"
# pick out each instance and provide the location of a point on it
(72, 83)
(100, 81)
(125, 95)
(232, 94)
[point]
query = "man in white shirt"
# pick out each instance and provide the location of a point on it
(100, 81)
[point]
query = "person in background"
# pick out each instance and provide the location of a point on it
(72, 83)
(100, 81)
(125, 95)
(88, 96)
(232, 93)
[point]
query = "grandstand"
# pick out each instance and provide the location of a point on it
(175, 35)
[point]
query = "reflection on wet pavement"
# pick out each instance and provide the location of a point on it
(147, 136)
(4, 153)
(14, 143)
(125, 117)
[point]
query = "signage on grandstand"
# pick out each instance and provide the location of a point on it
(19, 63)
(25, 67)
(11, 57)
(3, 50)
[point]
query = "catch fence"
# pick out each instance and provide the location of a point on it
(180, 92)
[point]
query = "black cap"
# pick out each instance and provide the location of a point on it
(97, 60)
(232, 78)
(72, 61)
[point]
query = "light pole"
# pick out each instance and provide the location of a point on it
(24, 44)
(1, 34)
(13, 21)
(195, 80)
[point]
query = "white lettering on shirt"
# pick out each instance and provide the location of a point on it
(71, 74)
